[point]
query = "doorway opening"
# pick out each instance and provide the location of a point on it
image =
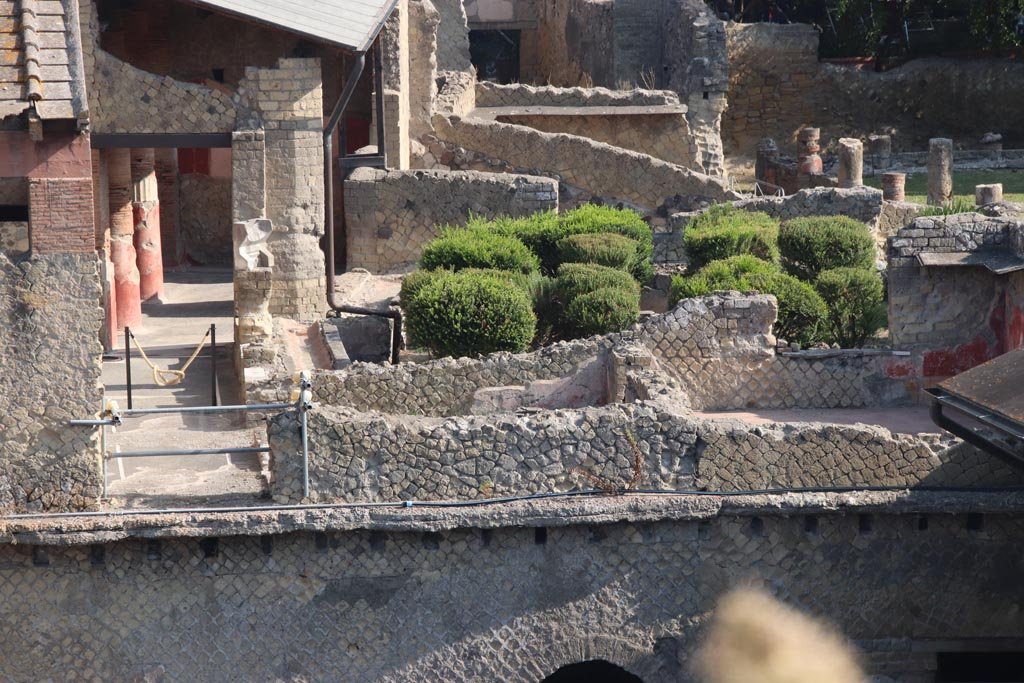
(593, 671)
(980, 667)
(495, 54)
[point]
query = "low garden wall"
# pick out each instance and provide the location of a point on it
(391, 215)
(490, 94)
(476, 428)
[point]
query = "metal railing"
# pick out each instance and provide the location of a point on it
(211, 334)
(113, 416)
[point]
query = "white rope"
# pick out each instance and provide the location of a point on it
(166, 377)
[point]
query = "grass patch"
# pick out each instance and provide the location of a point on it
(963, 184)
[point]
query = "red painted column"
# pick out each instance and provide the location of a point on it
(146, 210)
(122, 246)
(167, 190)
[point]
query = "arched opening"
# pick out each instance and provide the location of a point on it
(593, 671)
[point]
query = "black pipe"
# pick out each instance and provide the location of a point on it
(128, 363)
(329, 131)
(214, 383)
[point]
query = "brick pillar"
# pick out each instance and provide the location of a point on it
(940, 171)
(167, 185)
(289, 101)
(894, 187)
(808, 146)
(122, 232)
(146, 212)
(101, 205)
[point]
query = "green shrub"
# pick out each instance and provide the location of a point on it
(575, 279)
(417, 280)
(818, 243)
(477, 247)
(719, 275)
(540, 232)
(602, 311)
(470, 314)
(856, 309)
(591, 218)
(723, 231)
(602, 248)
(802, 312)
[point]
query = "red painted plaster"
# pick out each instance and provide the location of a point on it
(58, 155)
(948, 362)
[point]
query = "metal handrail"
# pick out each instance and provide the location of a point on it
(112, 416)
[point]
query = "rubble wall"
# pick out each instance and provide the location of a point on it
(49, 373)
(205, 218)
(376, 606)
(391, 215)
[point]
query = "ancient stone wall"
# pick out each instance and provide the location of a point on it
(374, 457)
(325, 605)
(777, 86)
(662, 134)
(452, 36)
(597, 168)
(575, 39)
(205, 218)
(14, 237)
(391, 215)
(954, 315)
(49, 373)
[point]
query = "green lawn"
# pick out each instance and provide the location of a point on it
(963, 184)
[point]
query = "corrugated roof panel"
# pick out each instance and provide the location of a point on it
(351, 24)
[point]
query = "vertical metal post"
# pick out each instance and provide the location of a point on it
(214, 382)
(103, 458)
(378, 85)
(305, 453)
(128, 363)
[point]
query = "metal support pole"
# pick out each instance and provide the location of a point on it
(208, 409)
(378, 85)
(303, 405)
(103, 459)
(190, 451)
(214, 383)
(128, 363)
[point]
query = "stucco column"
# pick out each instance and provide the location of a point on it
(122, 247)
(894, 187)
(940, 171)
(851, 162)
(167, 183)
(146, 210)
(101, 207)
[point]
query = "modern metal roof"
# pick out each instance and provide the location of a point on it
(349, 24)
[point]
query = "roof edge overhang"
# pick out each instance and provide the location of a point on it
(378, 24)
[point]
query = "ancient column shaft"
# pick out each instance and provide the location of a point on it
(940, 171)
(894, 187)
(146, 209)
(122, 248)
(851, 162)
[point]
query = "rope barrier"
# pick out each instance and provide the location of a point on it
(167, 377)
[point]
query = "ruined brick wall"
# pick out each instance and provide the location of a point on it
(324, 606)
(391, 215)
(777, 86)
(953, 318)
(50, 315)
(205, 218)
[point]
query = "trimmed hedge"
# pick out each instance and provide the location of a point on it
(610, 309)
(575, 279)
(469, 314)
(723, 231)
(478, 248)
(417, 280)
(856, 307)
(602, 248)
(719, 275)
(542, 232)
(802, 311)
(819, 243)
